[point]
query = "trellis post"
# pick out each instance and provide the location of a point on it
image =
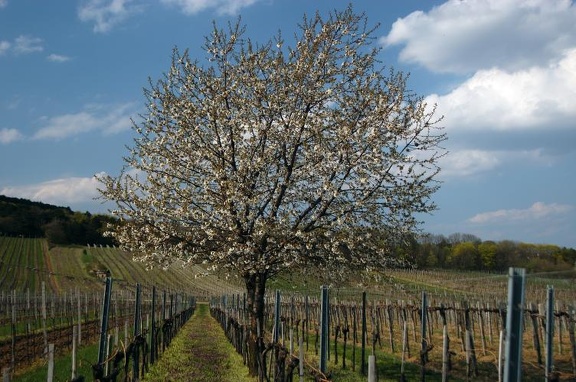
(549, 332)
(324, 329)
(104, 322)
(513, 352)
(136, 366)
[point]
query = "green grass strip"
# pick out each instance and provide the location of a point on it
(63, 367)
(200, 352)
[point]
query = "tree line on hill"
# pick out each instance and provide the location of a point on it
(468, 252)
(60, 225)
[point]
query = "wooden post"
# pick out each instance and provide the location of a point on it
(301, 359)
(489, 314)
(276, 333)
(570, 325)
(6, 374)
(44, 317)
(445, 354)
(79, 302)
(136, 362)
(324, 329)
(163, 319)
(126, 338)
(404, 315)
(291, 334)
(74, 341)
(153, 333)
(363, 355)
(345, 331)
(560, 332)
(470, 348)
(372, 377)
(13, 330)
(109, 345)
(404, 350)
(481, 323)
(549, 332)
(172, 309)
(501, 346)
(50, 376)
(306, 319)
(424, 348)
(391, 326)
(535, 332)
(354, 337)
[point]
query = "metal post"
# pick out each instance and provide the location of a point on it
(104, 322)
(513, 353)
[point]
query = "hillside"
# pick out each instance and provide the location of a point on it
(60, 225)
(25, 263)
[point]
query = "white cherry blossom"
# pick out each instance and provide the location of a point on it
(264, 158)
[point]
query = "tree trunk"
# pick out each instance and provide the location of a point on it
(255, 290)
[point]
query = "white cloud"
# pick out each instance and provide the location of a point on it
(225, 7)
(3, 3)
(105, 14)
(535, 98)
(62, 192)
(22, 45)
(4, 46)
(105, 119)
(9, 136)
(27, 44)
(464, 162)
(57, 58)
(538, 210)
(468, 162)
(465, 36)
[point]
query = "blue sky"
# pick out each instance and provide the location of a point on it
(503, 73)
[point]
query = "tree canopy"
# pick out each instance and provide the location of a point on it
(266, 156)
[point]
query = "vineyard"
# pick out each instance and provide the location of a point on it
(48, 293)
(460, 334)
(57, 296)
(26, 263)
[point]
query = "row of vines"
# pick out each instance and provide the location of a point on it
(53, 297)
(462, 337)
(19, 260)
(30, 322)
(27, 263)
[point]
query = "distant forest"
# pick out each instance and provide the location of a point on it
(60, 225)
(468, 252)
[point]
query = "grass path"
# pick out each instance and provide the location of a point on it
(200, 352)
